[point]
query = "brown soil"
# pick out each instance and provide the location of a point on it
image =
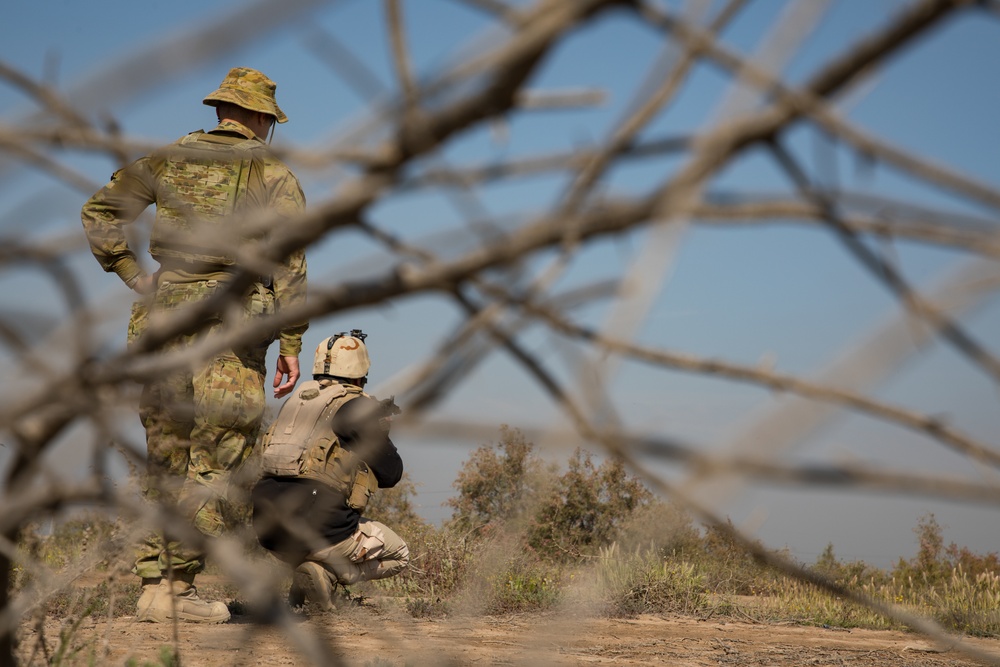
(379, 634)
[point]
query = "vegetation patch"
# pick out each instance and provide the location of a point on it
(525, 536)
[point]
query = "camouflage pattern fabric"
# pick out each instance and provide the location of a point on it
(270, 186)
(138, 320)
(201, 426)
(201, 184)
(201, 423)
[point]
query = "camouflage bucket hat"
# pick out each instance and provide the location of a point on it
(249, 89)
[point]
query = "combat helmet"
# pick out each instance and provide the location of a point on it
(342, 355)
(249, 89)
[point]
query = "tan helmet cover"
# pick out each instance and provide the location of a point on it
(249, 89)
(342, 356)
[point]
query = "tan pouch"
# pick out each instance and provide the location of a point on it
(138, 320)
(362, 488)
(259, 302)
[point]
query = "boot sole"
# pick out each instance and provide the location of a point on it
(157, 616)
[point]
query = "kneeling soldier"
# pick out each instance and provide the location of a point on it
(326, 453)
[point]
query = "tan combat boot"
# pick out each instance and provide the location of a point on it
(167, 600)
(149, 587)
(311, 584)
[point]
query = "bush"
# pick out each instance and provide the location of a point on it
(644, 582)
(731, 569)
(526, 584)
(507, 578)
(849, 573)
(935, 564)
(439, 564)
(586, 509)
(69, 540)
(394, 507)
(661, 527)
(972, 564)
(494, 486)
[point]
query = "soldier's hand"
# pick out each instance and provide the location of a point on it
(288, 367)
(145, 285)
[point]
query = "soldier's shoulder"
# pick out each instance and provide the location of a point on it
(176, 145)
(187, 138)
(271, 160)
(275, 170)
(362, 408)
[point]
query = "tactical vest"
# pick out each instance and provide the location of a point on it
(301, 443)
(203, 182)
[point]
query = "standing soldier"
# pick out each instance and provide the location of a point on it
(211, 190)
(323, 457)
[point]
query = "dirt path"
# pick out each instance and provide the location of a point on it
(374, 636)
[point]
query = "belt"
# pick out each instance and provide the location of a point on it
(195, 268)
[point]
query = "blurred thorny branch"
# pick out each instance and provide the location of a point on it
(398, 147)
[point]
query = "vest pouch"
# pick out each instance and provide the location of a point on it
(363, 486)
(282, 460)
(138, 320)
(316, 464)
(344, 472)
(178, 296)
(259, 302)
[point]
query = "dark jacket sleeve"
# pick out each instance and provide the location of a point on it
(361, 430)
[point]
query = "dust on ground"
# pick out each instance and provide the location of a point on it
(380, 634)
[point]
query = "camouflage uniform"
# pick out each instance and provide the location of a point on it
(202, 423)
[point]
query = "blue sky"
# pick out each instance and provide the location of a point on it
(784, 292)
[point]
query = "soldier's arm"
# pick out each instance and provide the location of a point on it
(287, 199)
(359, 429)
(106, 214)
(289, 291)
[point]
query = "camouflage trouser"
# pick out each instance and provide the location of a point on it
(201, 426)
(375, 551)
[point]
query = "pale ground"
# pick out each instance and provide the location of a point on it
(382, 635)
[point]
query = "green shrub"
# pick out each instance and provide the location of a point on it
(495, 484)
(439, 562)
(526, 584)
(929, 566)
(643, 581)
(662, 527)
(935, 564)
(732, 570)
(971, 563)
(847, 573)
(506, 489)
(587, 508)
(394, 507)
(68, 541)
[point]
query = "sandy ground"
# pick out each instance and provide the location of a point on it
(380, 635)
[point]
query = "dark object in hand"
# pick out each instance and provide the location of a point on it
(389, 407)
